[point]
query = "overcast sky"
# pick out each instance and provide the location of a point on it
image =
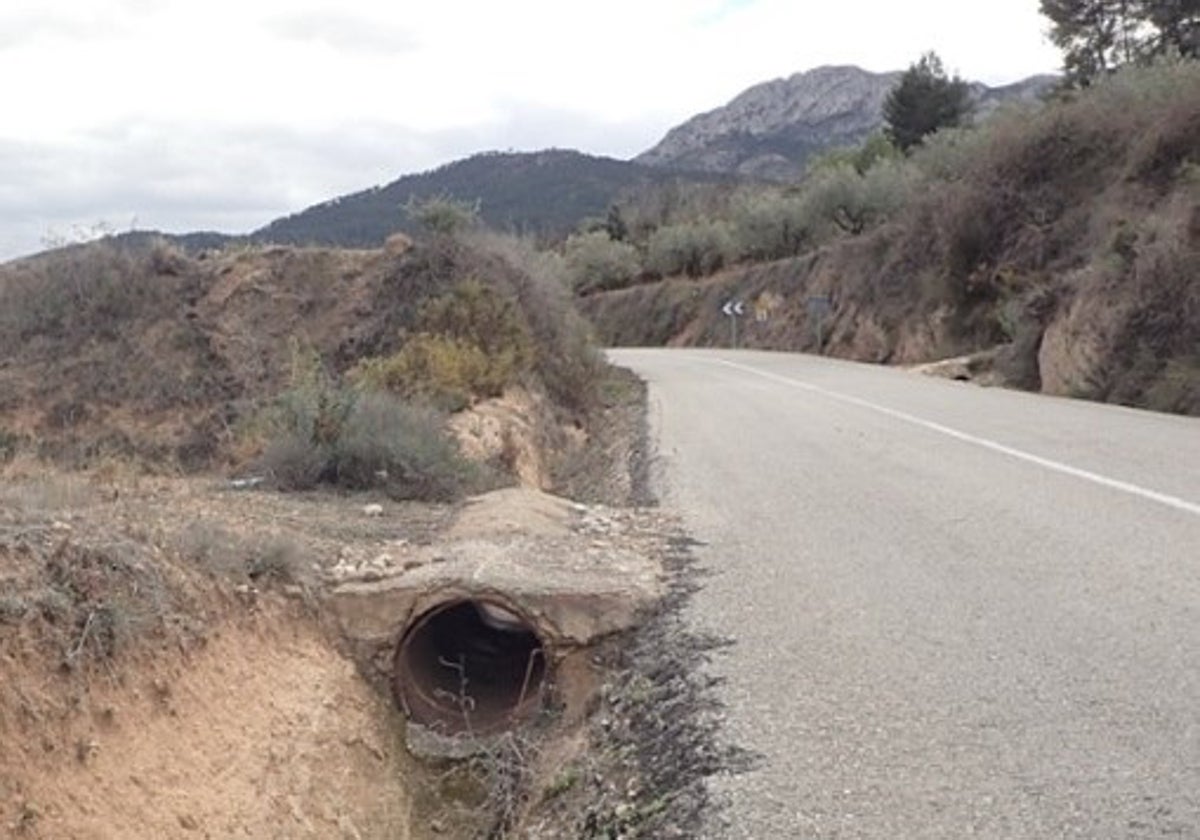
(184, 115)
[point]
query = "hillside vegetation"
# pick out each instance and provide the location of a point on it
(545, 194)
(306, 365)
(1058, 242)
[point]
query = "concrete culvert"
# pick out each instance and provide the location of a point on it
(469, 666)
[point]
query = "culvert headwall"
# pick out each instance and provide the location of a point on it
(473, 632)
(470, 665)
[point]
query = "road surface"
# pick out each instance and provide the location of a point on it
(958, 612)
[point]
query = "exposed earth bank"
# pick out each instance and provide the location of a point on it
(184, 657)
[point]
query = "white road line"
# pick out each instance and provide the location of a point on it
(1047, 463)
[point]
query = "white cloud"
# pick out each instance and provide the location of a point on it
(230, 112)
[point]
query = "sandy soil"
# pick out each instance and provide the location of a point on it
(265, 731)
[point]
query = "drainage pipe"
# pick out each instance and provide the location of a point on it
(469, 666)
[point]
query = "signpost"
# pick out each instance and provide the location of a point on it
(818, 307)
(734, 309)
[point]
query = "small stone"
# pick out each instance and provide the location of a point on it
(188, 823)
(374, 509)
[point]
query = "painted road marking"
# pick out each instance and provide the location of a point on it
(966, 437)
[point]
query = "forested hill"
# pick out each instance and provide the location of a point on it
(543, 193)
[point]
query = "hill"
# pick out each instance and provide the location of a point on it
(771, 129)
(1055, 248)
(765, 133)
(545, 193)
(118, 350)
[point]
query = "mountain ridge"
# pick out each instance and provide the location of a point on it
(770, 129)
(766, 132)
(544, 193)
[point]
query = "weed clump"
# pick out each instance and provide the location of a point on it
(324, 432)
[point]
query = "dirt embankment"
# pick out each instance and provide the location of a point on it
(182, 659)
(185, 657)
(149, 354)
(170, 662)
(1060, 248)
(154, 680)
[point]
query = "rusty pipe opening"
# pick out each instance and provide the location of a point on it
(469, 666)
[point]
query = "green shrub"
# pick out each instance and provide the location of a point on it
(322, 432)
(771, 226)
(313, 408)
(401, 448)
(873, 150)
(447, 372)
(840, 199)
(566, 359)
(473, 343)
(596, 262)
(480, 314)
(382, 443)
(694, 248)
(443, 215)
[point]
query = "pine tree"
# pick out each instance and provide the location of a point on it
(924, 100)
(1098, 36)
(1177, 26)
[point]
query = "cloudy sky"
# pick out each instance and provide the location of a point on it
(183, 115)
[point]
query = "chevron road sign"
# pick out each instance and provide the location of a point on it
(734, 309)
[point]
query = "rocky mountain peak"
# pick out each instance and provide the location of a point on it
(770, 130)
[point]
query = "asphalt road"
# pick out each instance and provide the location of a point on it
(958, 612)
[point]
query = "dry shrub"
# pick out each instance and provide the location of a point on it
(83, 292)
(403, 449)
(566, 361)
(446, 371)
(92, 602)
(1177, 387)
(216, 550)
(473, 344)
(362, 440)
(10, 444)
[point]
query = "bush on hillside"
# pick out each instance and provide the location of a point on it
(447, 372)
(473, 343)
(875, 149)
(321, 432)
(443, 215)
(772, 225)
(566, 360)
(839, 199)
(400, 447)
(695, 249)
(596, 262)
(83, 292)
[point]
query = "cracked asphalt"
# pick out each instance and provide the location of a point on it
(957, 612)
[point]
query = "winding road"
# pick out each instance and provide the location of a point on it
(957, 612)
